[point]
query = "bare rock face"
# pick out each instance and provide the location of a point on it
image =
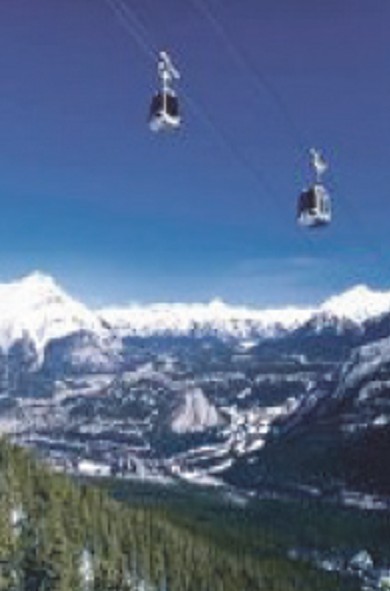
(195, 413)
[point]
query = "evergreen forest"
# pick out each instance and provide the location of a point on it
(57, 534)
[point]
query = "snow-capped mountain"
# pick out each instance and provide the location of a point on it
(358, 304)
(36, 308)
(341, 312)
(73, 381)
(343, 322)
(347, 312)
(216, 318)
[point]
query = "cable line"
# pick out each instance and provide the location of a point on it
(135, 28)
(124, 17)
(131, 23)
(259, 80)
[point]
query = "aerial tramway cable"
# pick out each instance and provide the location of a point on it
(132, 26)
(139, 33)
(316, 193)
(258, 79)
(261, 82)
(137, 30)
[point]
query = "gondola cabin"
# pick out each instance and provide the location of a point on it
(164, 111)
(314, 207)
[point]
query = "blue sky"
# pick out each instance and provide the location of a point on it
(116, 213)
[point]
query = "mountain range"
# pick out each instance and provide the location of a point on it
(35, 307)
(206, 392)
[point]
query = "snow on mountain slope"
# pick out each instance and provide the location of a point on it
(348, 313)
(354, 306)
(357, 304)
(214, 317)
(36, 308)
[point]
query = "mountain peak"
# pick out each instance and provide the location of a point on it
(359, 290)
(358, 304)
(38, 281)
(35, 306)
(37, 276)
(34, 287)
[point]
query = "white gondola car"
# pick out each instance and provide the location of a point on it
(314, 205)
(164, 110)
(314, 208)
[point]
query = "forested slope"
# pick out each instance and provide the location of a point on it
(57, 535)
